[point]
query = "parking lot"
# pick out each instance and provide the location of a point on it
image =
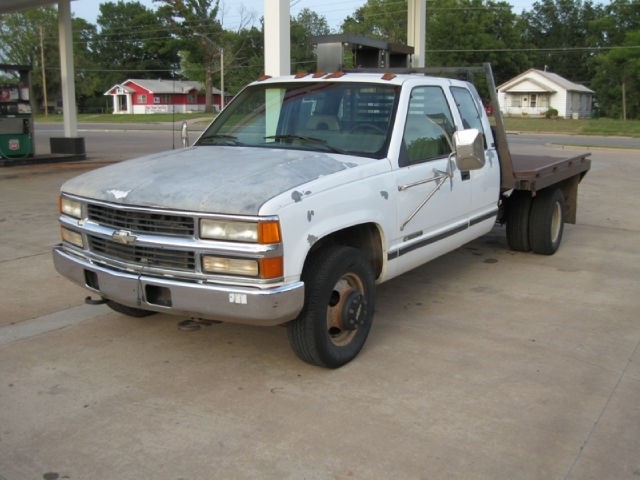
(483, 364)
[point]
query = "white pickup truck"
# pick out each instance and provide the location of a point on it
(302, 195)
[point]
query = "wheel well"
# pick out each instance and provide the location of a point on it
(365, 237)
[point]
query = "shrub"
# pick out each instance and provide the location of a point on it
(551, 113)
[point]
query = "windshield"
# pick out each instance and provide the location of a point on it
(349, 118)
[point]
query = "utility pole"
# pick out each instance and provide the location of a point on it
(624, 99)
(221, 78)
(44, 76)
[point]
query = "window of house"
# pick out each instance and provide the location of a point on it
(142, 98)
(156, 99)
(533, 100)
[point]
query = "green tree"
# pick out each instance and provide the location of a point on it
(382, 19)
(28, 37)
(25, 41)
(458, 32)
(247, 48)
(559, 31)
(133, 42)
(472, 32)
(617, 79)
(304, 27)
(615, 34)
(196, 22)
(89, 80)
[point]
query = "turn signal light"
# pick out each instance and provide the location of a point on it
(269, 232)
(271, 267)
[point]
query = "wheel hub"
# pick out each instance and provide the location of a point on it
(353, 311)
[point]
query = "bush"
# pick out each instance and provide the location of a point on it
(551, 113)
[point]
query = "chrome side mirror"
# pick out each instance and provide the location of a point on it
(469, 145)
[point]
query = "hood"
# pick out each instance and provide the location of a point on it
(215, 179)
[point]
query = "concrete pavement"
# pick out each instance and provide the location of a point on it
(484, 364)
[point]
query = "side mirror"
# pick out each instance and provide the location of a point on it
(469, 146)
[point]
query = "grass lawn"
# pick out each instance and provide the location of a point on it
(593, 126)
(597, 126)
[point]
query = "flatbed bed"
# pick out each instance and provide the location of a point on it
(533, 173)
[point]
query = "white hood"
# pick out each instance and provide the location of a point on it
(215, 179)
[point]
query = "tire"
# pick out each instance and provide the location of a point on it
(518, 210)
(130, 311)
(546, 222)
(338, 312)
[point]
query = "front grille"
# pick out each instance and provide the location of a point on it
(144, 256)
(137, 221)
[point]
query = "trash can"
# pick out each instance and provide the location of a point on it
(15, 145)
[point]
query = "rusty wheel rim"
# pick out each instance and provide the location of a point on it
(345, 288)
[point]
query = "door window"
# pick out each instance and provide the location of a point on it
(467, 108)
(428, 127)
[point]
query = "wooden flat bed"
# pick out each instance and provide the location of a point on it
(534, 173)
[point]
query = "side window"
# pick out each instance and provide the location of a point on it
(467, 108)
(428, 127)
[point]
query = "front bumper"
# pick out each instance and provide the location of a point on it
(235, 304)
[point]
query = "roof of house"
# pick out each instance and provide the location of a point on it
(552, 77)
(163, 86)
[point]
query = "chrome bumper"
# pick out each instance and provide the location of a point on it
(251, 306)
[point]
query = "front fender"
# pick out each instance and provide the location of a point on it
(315, 216)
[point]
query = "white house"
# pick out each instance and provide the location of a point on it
(535, 91)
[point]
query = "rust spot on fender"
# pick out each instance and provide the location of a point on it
(297, 196)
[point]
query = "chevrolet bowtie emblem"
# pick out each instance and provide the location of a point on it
(124, 237)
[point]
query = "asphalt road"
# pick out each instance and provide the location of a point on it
(483, 364)
(137, 139)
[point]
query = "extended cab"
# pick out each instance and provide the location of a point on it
(301, 196)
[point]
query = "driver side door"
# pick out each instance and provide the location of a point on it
(434, 197)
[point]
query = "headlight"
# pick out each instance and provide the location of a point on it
(72, 237)
(230, 266)
(239, 231)
(70, 207)
(267, 268)
(230, 231)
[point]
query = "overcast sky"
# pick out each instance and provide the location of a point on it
(335, 11)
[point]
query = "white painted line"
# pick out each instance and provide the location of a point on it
(48, 323)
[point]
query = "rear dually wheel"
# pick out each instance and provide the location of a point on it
(546, 221)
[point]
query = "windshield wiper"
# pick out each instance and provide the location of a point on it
(303, 138)
(219, 139)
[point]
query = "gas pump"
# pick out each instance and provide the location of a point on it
(16, 117)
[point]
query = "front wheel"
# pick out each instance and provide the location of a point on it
(338, 312)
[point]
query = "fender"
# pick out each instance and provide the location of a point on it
(321, 208)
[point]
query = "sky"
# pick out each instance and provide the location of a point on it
(335, 11)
